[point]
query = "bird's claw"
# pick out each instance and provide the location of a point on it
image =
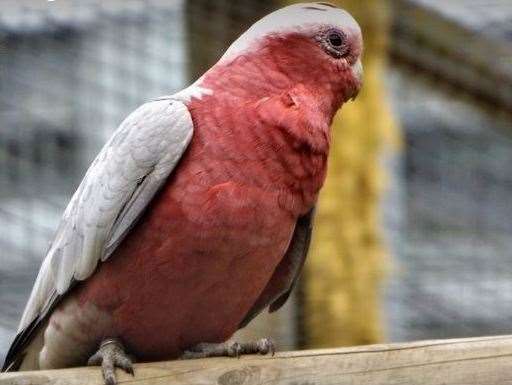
(265, 346)
(234, 349)
(110, 355)
(230, 349)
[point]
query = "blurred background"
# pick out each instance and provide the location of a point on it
(413, 232)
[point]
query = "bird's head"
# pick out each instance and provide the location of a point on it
(316, 44)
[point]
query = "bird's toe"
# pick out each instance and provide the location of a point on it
(110, 355)
(234, 349)
(265, 346)
(230, 349)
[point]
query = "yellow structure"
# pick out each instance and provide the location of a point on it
(341, 296)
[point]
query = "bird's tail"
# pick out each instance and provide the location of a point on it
(24, 351)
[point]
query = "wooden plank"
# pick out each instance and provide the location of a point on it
(471, 361)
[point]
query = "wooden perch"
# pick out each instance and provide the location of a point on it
(470, 361)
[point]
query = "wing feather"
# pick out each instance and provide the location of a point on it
(286, 274)
(116, 189)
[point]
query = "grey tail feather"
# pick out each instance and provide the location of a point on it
(13, 366)
(15, 355)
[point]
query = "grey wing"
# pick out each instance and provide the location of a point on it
(286, 274)
(119, 184)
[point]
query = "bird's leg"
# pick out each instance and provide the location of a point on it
(230, 349)
(110, 355)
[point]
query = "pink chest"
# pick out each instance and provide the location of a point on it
(193, 266)
(199, 258)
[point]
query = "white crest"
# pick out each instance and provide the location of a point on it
(295, 17)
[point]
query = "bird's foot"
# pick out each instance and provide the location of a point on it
(230, 349)
(110, 355)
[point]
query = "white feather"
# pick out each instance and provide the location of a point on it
(119, 184)
(194, 91)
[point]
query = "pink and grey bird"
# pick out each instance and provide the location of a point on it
(196, 215)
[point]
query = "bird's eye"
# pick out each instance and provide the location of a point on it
(335, 43)
(335, 39)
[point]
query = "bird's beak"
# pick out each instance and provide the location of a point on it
(357, 72)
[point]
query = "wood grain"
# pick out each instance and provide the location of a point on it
(472, 361)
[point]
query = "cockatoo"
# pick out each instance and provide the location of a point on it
(197, 213)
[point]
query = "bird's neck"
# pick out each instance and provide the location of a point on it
(245, 119)
(253, 77)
